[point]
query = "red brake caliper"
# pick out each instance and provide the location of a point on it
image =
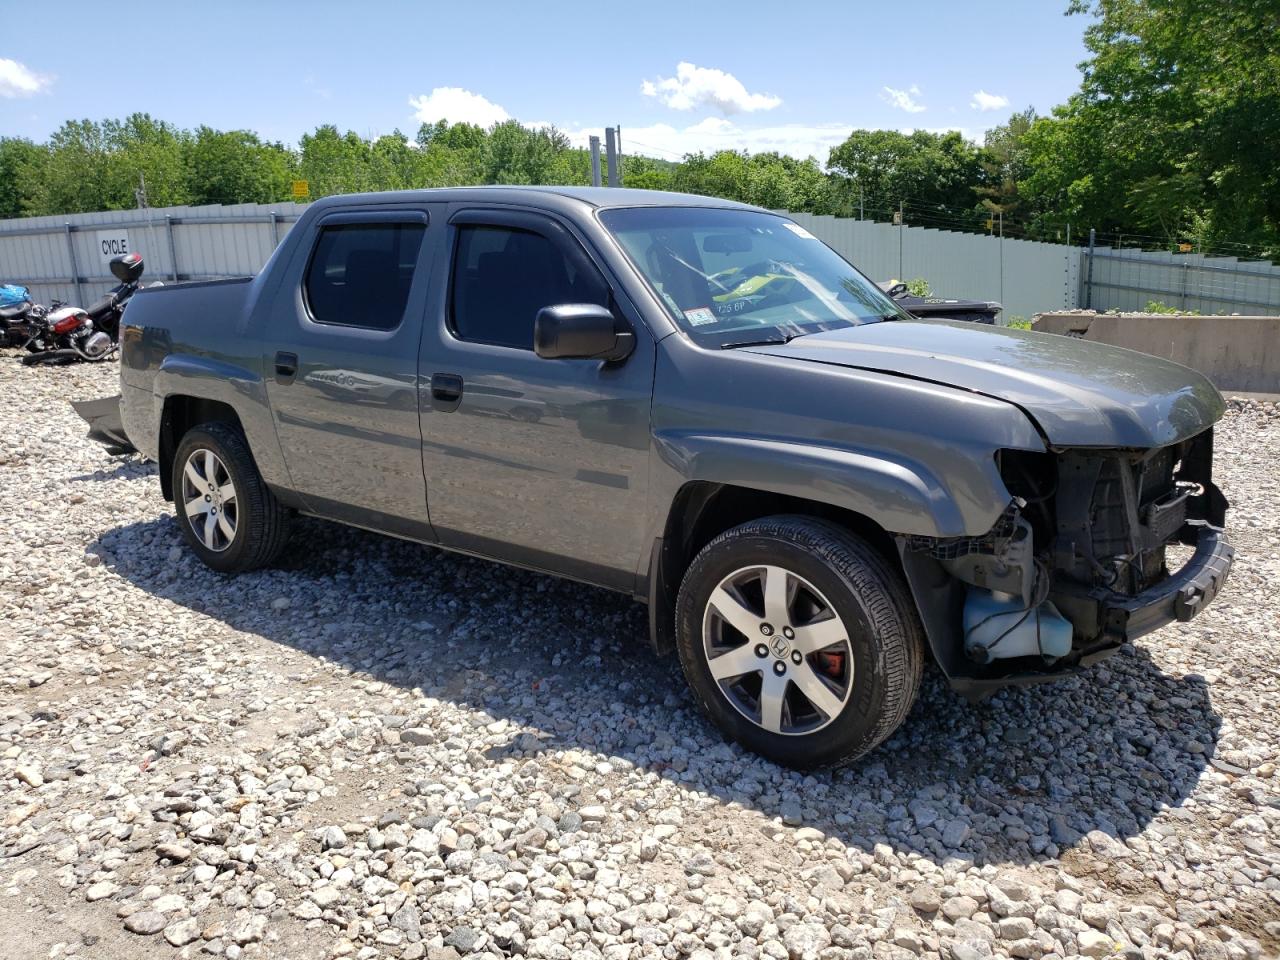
(832, 664)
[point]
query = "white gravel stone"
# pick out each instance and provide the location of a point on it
(377, 749)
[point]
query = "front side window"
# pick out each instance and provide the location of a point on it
(741, 276)
(360, 273)
(502, 277)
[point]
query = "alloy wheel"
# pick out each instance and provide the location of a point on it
(209, 500)
(778, 650)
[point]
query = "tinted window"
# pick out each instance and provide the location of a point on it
(502, 277)
(360, 273)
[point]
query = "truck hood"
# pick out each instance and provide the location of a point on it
(1079, 392)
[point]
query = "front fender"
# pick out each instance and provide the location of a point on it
(900, 495)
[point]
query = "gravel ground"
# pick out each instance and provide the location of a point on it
(383, 750)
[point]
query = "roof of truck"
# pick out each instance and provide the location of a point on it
(591, 196)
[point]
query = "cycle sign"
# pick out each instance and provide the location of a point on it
(112, 243)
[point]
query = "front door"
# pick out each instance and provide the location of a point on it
(341, 366)
(533, 461)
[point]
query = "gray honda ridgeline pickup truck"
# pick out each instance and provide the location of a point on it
(697, 403)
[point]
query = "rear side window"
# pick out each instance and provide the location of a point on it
(360, 273)
(503, 276)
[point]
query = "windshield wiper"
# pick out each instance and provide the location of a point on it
(763, 342)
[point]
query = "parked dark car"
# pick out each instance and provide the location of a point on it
(699, 404)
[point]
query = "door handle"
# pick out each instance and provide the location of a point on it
(446, 391)
(286, 366)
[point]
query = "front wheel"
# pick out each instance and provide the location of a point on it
(799, 640)
(226, 512)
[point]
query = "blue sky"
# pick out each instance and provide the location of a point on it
(676, 76)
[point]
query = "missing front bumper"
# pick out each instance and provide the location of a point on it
(1178, 597)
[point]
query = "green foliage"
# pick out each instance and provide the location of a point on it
(916, 286)
(937, 173)
(1158, 306)
(1017, 323)
(768, 180)
(1006, 167)
(1171, 137)
(1175, 127)
(21, 169)
(234, 166)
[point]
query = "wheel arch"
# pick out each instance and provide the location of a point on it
(179, 414)
(702, 510)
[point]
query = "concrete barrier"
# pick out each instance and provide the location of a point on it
(1236, 353)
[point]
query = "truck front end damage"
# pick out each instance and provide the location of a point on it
(1096, 548)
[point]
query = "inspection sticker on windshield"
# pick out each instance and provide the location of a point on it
(700, 316)
(799, 231)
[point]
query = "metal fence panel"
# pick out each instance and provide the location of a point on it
(1130, 279)
(1026, 276)
(59, 258)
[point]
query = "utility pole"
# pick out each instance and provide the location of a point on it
(1001, 256)
(618, 144)
(902, 225)
(611, 155)
(861, 213)
(140, 194)
(595, 160)
(1088, 282)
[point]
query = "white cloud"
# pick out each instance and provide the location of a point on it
(903, 99)
(16, 80)
(457, 106)
(988, 101)
(694, 86)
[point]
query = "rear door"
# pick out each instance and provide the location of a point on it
(537, 462)
(341, 364)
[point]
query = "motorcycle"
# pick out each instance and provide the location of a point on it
(61, 333)
(15, 307)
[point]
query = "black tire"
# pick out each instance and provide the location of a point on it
(262, 524)
(867, 593)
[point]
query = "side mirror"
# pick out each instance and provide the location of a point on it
(581, 331)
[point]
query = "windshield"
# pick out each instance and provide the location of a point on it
(733, 277)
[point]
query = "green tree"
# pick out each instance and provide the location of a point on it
(333, 162)
(1175, 127)
(74, 172)
(935, 174)
(234, 166)
(1006, 166)
(640, 173)
(138, 150)
(21, 169)
(517, 154)
(450, 154)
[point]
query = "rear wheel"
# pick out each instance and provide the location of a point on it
(227, 515)
(799, 640)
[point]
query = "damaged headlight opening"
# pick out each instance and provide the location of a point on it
(1077, 564)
